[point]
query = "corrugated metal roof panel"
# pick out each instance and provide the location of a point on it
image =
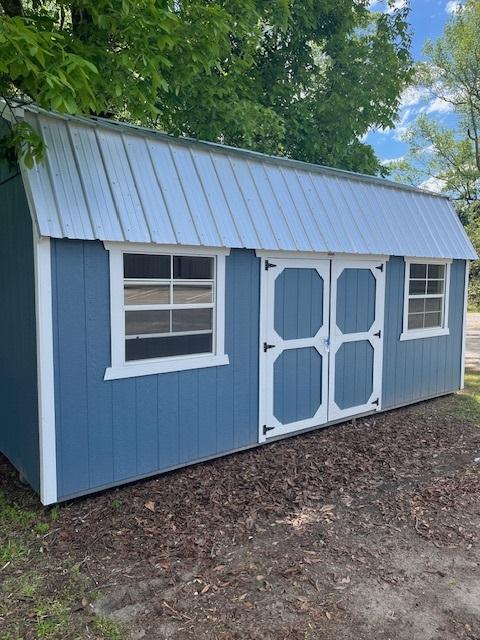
(109, 181)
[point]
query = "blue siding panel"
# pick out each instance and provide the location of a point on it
(418, 369)
(114, 431)
(18, 357)
(118, 430)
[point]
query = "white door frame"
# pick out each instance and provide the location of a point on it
(269, 425)
(337, 338)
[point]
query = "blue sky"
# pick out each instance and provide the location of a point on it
(427, 19)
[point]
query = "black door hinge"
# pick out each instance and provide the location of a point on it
(266, 429)
(380, 267)
(269, 265)
(378, 334)
(377, 401)
(267, 346)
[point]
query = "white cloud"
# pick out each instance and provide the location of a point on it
(412, 96)
(452, 6)
(389, 161)
(438, 105)
(388, 6)
(432, 184)
(396, 4)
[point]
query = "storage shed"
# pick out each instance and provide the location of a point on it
(166, 301)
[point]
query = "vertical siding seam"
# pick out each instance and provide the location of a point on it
(87, 407)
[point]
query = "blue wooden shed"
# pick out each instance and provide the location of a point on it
(166, 301)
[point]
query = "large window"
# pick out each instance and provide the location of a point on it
(426, 298)
(170, 313)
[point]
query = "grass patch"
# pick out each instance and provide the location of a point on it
(40, 597)
(108, 629)
(466, 404)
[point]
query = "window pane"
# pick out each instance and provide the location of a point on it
(145, 348)
(192, 294)
(433, 304)
(418, 271)
(144, 265)
(415, 321)
(417, 287)
(142, 322)
(147, 294)
(435, 286)
(191, 319)
(416, 306)
(433, 319)
(192, 267)
(436, 270)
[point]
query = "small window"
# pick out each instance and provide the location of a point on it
(426, 297)
(169, 305)
(170, 310)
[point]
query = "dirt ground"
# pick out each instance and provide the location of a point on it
(365, 530)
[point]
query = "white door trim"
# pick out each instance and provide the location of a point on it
(270, 336)
(337, 338)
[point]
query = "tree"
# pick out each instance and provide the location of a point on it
(307, 81)
(303, 78)
(452, 156)
(108, 57)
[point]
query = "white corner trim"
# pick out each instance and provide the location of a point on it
(424, 333)
(134, 370)
(122, 369)
(45, 371)
(464, 328)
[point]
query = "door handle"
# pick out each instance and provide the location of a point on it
(378, 334)
(326, 344)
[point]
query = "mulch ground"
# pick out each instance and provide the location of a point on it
(367, 530)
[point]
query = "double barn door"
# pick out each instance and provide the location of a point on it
(321, 341)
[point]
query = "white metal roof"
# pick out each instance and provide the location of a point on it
(111, 181)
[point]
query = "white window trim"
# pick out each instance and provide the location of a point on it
(120, 368)
(417, 334)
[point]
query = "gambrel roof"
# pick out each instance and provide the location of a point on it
(116, 182)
